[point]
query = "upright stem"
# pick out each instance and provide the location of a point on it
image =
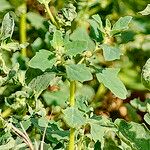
(72, 103)
(23, 36)
(72, 93)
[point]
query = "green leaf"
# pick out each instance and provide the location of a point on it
(73, 117)
(43, 122)
(57, 97)
(95, 33)
(78, 72)
(45, 2)
(80, 34)
(146, 74)
(41, 82)
(146, 11)
(137, 134)
(99, 128)
(109, 78)
(7, 27)
(110, 53)
(142, 106)
(36, 20)
(97, 18)
(9, 145)
(121, 25)
(43, 60)
(75, 47)
(147, 118)
(69, 12)
(108, 25)
(37, 44)
(4, 5)
(111, 144)
(57, 40)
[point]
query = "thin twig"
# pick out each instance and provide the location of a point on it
(22, 135)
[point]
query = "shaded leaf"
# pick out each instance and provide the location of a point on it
(137, 134)
(4, 5)
(36, 20)
(41, 82)
(95, 33)
(97, 18)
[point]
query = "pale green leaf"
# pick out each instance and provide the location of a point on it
(137, 134)
(7, 27)
(57, 97)
(4, 4)
(142, 106)
(109, 78)
(99, 127)
(95, 33)
(75, 47)
(57, 40)
(147, 118)
(45, 2)
(9, 145)
(41, 82)
(121, 25)
(97, 18)
(80, 34)
(73, 117)
(110, 53)
(36, 20)
(108, 25)
(146, 11)
(43, 122)
(43, 60)
(78, 72)
(146, 74)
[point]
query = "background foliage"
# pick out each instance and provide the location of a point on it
(102, 45)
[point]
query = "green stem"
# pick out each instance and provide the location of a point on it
(72, 93)
(51, 16)
(72, 103)
(7, 112)
(100, 92)
(23, 36)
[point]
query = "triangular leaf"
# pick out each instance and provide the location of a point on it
(43, 60)
(78, 72)
(121, 25)
(110, 53)
(109, 78)
(73, 117)
(75, 47)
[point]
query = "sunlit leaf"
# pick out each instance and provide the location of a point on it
(109, 78)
